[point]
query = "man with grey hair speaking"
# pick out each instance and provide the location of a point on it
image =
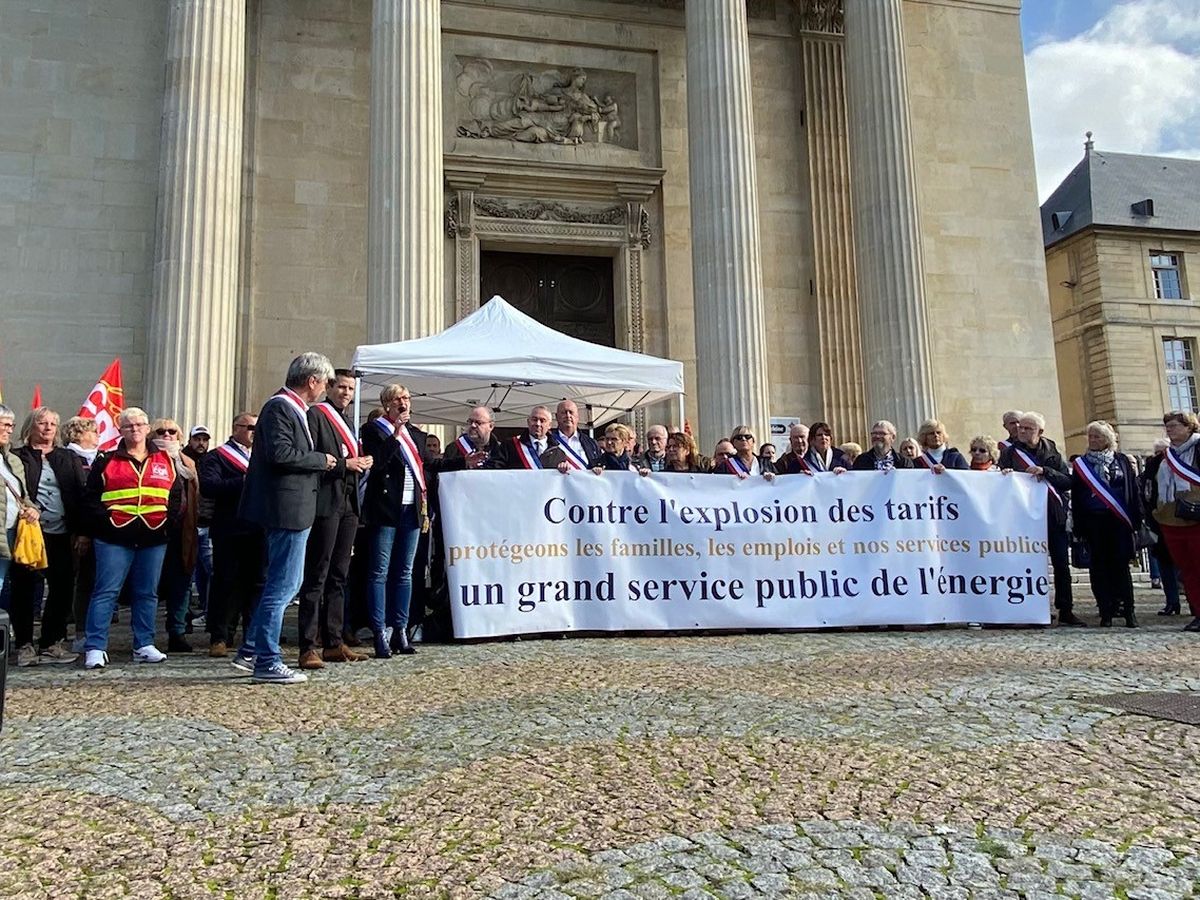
(281, 496)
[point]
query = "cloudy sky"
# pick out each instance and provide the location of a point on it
(1128, 70)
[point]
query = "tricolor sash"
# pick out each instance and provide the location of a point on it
(408, 451)
(574, 460)
(299, 407)
(805, 468)
(350, 446)
(1004, 445)
(739, 465)
(1029, 463)
(235, 455)
(817, 462)
(1182, 469)
(1100, 489)
(465, 445)
(527, 454)
(926, 460)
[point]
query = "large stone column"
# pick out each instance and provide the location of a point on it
(193, 317)
(731, 347)
(891, 271)
(405, 294)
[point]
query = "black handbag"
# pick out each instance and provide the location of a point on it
(1187, 507)
(1081, 554)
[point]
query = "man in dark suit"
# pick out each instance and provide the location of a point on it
(525, 450)
(331, 541)
(582, 450)
(281, 496)
(479, 439)
(795, 460)
(882, 457)
(1031, 451)
(239, 552)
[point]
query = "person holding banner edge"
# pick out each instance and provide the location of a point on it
(1033, 453)
(1176, 490)
(1107, 513)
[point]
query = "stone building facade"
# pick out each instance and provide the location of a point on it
(822, 213)
(1121, 233)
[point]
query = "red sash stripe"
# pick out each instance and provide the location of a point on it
(239, 460)
(1030, 463)
(526, 454)
(350, 447)
(1092, 480)
(1182, 469)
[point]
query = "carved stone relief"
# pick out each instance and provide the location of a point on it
(508, 100)
(820, 15)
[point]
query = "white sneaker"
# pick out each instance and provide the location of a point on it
(148, 654)
(95, 659)
(243, 663)
(27, 656)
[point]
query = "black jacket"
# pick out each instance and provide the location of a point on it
(837, 460)
(285, 471)
(866, 461)
(591, 448)
(221, 483)
(497, 450)
(514, 455)
(385, 485)
(788, 464)
(68, 471)
(1124, 487)
(951, 459)
(1047, 456)
(136, 534)
(339, 485)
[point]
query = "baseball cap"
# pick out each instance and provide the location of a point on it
(200, 429)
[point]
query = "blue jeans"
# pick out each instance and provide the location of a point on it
(285, 571)
(203, 571)
(113, 565)
(389, 578)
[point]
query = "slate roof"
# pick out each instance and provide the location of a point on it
(1104, 186)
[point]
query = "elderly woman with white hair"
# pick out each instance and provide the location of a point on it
(133, 496)
(1175, 499)
(1107, 513)
(1032, 452)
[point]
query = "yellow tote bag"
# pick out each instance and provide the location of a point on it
(30, 548)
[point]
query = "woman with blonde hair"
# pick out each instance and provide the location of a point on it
(682, 455)
(934, 450)
(744, 462)
(175, 583)
(14, 498)
(1106, 511)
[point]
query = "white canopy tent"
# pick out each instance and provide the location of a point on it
(501, 358)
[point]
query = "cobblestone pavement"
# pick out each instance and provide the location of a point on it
(942, 763)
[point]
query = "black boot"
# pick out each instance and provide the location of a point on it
(1066, 617)
(1105, 622)
(381, 647)
(400, 642)
(177, 643)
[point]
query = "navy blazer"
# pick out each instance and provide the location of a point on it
(837, 460)
(951, 459)
(389, 473)
(590, 446)
(222, 482)
(514, 455)
(285, 471)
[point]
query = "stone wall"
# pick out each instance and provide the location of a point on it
(990, 333)
(80, 111)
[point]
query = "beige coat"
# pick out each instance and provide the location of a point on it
(18, 469)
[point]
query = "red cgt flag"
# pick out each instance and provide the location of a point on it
(37, 397)
(105, 403)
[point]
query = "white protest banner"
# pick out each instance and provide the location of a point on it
(530, 552)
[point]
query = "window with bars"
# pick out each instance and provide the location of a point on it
(1168, 285)
(1179, 354)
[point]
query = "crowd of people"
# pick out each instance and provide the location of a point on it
(300, 505)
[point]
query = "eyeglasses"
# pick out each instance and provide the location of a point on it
(979, 449)
(162, 432)
(136, 425)
(743, 437)
(6, 425)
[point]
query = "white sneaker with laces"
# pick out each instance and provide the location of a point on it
(148, 654)
(95, 659)
(27, 655)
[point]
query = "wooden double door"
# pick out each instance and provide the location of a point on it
(571, 294)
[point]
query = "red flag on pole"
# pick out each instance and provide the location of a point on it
(37, 396)
(105, 403)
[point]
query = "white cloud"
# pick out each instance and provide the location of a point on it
(1133, 79)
